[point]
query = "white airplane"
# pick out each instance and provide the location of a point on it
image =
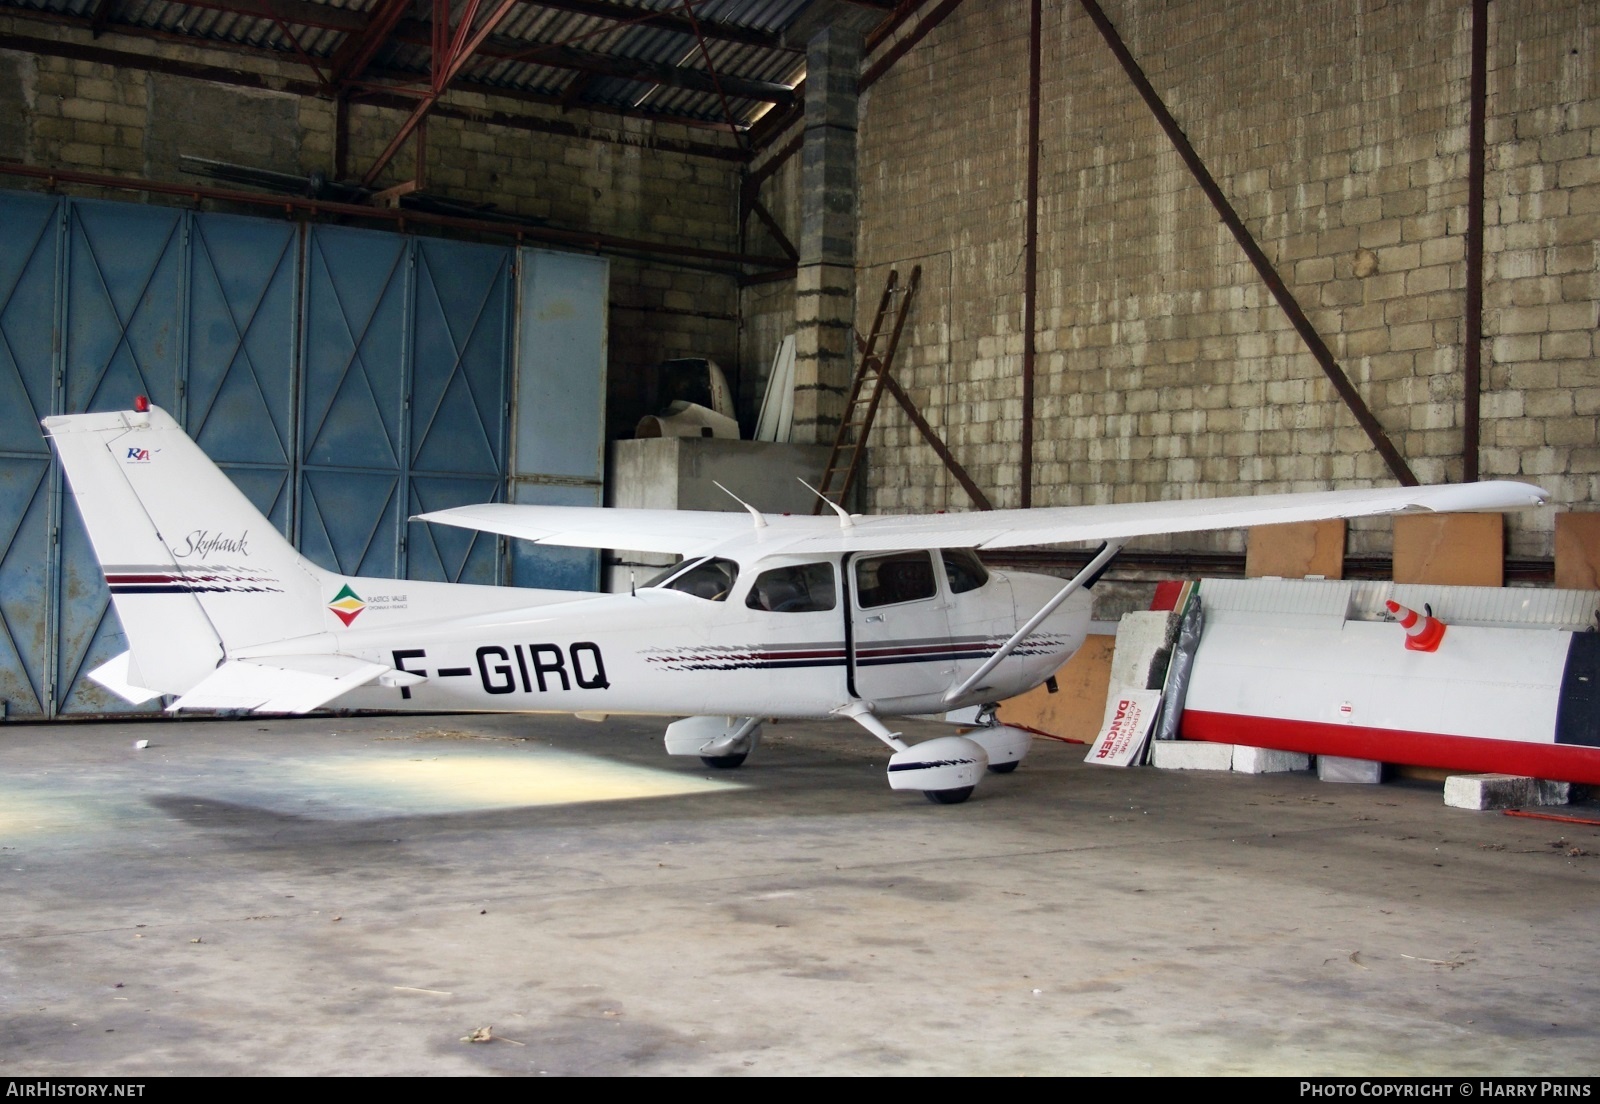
(865, 617)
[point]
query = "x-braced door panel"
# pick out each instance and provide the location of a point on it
(30, 253)
(123, 335)
(357, 316)
(458, 404)
(239, 393)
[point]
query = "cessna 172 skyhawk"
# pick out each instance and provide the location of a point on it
(864, 617)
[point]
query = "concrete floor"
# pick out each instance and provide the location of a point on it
(359, 895)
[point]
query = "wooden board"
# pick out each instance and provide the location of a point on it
(1076, 711)
(1297, 550)
(1578, 551)
(1450, 549)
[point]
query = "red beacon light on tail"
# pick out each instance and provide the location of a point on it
(1423, 631)
(141, 404)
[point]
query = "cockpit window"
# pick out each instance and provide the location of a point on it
(963, 570)
(805, 588)
(710, 578)
(898, 577)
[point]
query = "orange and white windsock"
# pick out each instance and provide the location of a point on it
(1423, 632)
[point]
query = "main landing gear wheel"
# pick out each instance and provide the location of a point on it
(948, 797)
(724, 762)
(1005, 768)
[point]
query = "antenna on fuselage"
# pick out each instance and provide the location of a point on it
(845, 520)
(761, 522)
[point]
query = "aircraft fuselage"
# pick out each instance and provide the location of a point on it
(667, 651)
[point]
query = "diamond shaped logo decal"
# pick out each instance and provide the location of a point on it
(346, 604)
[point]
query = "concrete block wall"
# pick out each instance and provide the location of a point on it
(619, 177)
(1338, 128)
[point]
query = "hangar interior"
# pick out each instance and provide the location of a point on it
(1160, 251)
(384, 257)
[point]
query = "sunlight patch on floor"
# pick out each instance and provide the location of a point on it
(23, 814)
(461, 780)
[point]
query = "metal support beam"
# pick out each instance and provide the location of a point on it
(356, 52)
(450, 53)
(904, 45)
(1472, 363)
(979, 499)
(1269, 276)
(758, 209)
(714, 260)
(1030, 253)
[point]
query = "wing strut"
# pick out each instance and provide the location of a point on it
(1084, 578)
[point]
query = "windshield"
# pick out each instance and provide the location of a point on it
(710, 578)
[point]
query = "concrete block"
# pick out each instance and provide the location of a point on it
(1254, 760)
(1336, 768)
(1503, 791)
(1143, 647)
(1190, 755)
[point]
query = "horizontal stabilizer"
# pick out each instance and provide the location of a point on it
(115, 675)
(281, 684)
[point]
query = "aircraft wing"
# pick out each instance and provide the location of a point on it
(680, 532)
(697, 532)
(1126, 520)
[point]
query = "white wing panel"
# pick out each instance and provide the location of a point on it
(684, 532)
(695, 532)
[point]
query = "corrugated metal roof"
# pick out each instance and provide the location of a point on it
(635, 56)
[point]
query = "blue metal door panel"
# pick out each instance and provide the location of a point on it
(356, 319)
(559, 452)
(123, 318)
(561, 366)
(349, 520)
(29, 254)
(445, 552)
(548, 565)
(344, 379)
(124, 305)
(458, 403)
(88, 632)
(239, 395)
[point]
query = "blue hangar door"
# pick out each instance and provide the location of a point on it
(345, 379)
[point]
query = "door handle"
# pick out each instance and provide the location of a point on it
(875, 619)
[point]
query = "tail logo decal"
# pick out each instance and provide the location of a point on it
(346, 605)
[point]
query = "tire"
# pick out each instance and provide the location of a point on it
(724, 762)
(1005, 768)
(948, 797)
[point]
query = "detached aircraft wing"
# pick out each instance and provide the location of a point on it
(701, 532)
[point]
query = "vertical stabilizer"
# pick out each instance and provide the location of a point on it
(195, 570)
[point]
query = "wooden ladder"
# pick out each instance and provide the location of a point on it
(872, 371)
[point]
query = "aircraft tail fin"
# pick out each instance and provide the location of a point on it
(195, 571)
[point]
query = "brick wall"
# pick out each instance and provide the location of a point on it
(610, 176)
(1338, 128)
